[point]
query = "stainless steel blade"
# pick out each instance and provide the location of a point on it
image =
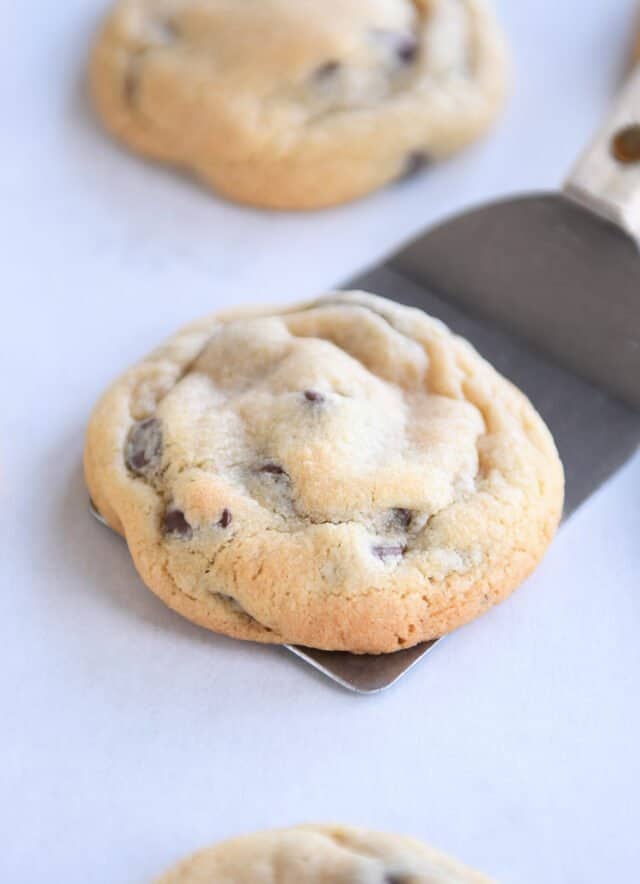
(550, 272)
(540, 287)
(363, 673)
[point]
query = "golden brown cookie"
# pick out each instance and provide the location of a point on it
(343, 474)
(322, 855)
(294, 103)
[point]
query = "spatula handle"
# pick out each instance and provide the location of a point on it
(606, 178)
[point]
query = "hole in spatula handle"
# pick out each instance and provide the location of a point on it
(625, 144)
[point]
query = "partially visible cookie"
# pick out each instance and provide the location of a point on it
(295, 103)
(344, 474)
(322, 855)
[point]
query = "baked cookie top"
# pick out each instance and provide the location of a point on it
(322, 855)
(295, 103)
(343, 474)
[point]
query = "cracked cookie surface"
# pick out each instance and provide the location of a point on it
(295, 104)
(344, 474)
(322, 855)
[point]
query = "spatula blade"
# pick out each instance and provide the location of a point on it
(550, 272)
(550, 295)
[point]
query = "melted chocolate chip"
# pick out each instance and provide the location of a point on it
(396, 879)
(388, 551)
(414, 163)
(175, 523)
(131, 79)
(225, 519)
(313, 396)
(400, 518)
(273, 469)
(407, 50)
(166, 30)
(327, 70)
(144, 446)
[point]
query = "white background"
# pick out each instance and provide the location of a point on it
(130, 737)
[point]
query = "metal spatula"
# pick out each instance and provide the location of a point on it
(547, 287)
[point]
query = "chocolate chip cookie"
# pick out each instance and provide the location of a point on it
(322, 855)
(344, 474)
(294, 103)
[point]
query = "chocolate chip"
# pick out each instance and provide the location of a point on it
(144, 446)
(400, 518)
(384, 552)
(165, 31)
(327, 70)
(407, 50)
(130, 84)
(273, 469)
(131, 79)
(175, 523)
(225, 519)
(313, 396)
(396, 879)
(414, 163)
